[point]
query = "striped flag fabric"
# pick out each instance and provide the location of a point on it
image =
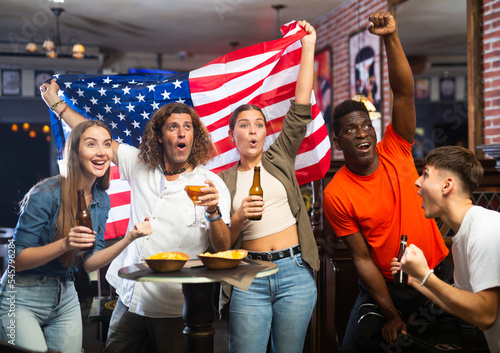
(264, 74)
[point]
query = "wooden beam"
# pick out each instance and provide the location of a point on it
(474, 76)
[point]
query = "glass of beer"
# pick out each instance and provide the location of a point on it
(194, 183)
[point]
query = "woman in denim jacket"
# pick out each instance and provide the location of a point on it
(39, 306)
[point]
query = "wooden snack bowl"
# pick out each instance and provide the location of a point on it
(168, 265)
(223, 263)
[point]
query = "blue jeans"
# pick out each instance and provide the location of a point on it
(279, 306)
(129, 332)
(42, 313)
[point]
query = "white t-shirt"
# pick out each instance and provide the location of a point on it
(476, 255)
(170, 211)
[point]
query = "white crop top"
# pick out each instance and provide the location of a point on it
(277, 215)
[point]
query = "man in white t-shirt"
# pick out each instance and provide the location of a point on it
(450, 175)
(148, 316)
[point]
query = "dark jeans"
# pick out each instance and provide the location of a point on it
(363, 332)
(129, 332)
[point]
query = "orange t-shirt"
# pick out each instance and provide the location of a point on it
(384, 205)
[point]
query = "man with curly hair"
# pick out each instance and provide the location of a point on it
(149, 315)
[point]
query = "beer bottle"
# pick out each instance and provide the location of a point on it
(256, 189)
(401, 278)
(83, 216)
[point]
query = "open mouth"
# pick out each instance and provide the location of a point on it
(363, 147)
(181, 146)
(98, 163)
(253, 143)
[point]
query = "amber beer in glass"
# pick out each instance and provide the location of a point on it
(194, 183)
(194, 191)
(83, 216)
(256, 190)
(401, 278)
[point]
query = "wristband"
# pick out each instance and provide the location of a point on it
(53, 106)
(216, 218)
(59, 116)
(426, 278)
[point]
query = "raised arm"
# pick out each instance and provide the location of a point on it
(303, 89)
(49, 92)
(400, 76)
(375, 285)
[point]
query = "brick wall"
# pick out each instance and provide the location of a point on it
(334, 30)
(491, 70)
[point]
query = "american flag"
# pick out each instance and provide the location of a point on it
(264, 74)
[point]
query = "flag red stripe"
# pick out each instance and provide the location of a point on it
(311, 173)
(258, 48)
(114, 172)
(282, 93)
(120, 198)
(116, 229)
(200, 84)
(311, 141)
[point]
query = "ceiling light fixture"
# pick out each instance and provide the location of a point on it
(53, 46)
(31, 47)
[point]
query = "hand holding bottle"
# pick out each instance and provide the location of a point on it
(83, 217)
(256, 194)
(80, 237)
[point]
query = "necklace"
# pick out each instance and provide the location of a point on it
(174, 172)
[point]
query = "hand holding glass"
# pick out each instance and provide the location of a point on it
(194, 183)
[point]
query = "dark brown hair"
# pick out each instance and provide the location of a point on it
(240, 109)
(459, 161)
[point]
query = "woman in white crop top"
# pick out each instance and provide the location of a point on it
(280, 306)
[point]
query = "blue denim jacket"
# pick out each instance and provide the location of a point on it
(37, 225)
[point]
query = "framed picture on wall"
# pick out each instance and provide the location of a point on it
(422, 89)
(11, 82)
(447, 88)
(323, 84)
(40, 78)
(365, 66)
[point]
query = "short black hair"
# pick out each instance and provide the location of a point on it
(346, 107)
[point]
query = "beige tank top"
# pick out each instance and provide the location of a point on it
(277, 215)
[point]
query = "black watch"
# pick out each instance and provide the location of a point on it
(217, 209)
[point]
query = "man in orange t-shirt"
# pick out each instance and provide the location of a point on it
(372, 201)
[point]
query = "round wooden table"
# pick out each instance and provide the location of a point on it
(198, 285)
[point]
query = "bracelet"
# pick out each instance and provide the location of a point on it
(426, 278)
(216, 218)
(217, 209)
(53, 106)
(61, 113)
